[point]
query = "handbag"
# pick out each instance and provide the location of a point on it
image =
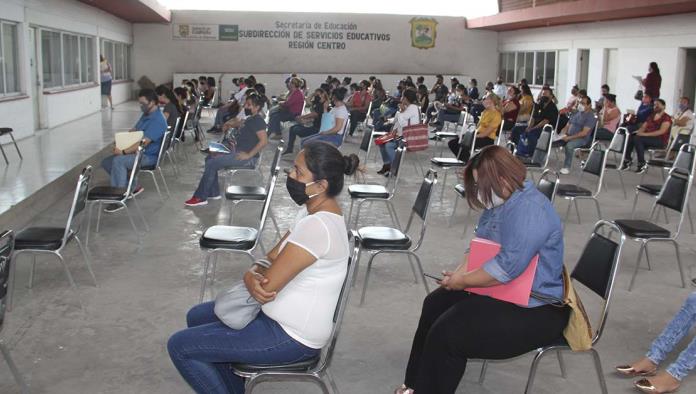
(639, 95)
(578, 331)
(235, 306)
(416, 137)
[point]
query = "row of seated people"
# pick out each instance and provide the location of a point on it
(299, 282)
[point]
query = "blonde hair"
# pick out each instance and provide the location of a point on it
(496, 102)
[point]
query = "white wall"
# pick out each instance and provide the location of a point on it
(457, 51)
(71, 16)
(638, 42)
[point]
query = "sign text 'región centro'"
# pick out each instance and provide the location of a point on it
(298, 35)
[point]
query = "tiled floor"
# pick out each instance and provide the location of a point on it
(118, 344)
(50, 153)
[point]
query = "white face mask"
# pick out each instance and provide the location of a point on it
(496, 200)
(581, 107)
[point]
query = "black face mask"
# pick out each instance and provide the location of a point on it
(317, 100)
(544, 100)
(297, 192)
(247, 112)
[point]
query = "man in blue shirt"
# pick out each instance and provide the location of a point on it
(153, 125)
(645, 108)
(578, 132)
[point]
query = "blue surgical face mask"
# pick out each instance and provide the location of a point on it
(683, 107)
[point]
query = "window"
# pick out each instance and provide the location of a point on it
(9, 68)
(538, 67)
(68, 59)
(118, 55)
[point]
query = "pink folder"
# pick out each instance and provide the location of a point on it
(516, 291)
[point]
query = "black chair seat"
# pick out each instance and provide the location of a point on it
(447, 162)
(301, 366)
(245, 193)
(383, 238)
(43, 238)
(5, 130)
(572, 191)
(650, 189)
(611, 166)
(660, 163)
(229, 237)
(368, 191)
(151, 167)
(446, 134)
(642, 229)
(528, 162)
(107, 193)
(459, 188)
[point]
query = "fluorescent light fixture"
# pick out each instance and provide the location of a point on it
(469, 9)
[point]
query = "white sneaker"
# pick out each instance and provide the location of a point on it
(565, 171)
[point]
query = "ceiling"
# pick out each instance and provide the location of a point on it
(134, 11)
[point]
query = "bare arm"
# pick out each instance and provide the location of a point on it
(664, 127)
(263, 140)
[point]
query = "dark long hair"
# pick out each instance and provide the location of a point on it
(162, 90)
(496, 168)
(654, 67)
(325, 161)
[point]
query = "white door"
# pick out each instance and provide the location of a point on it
(35, 90)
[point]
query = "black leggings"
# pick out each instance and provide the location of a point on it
(466, 149)
(456, 325)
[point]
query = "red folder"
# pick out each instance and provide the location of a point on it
(517, 291)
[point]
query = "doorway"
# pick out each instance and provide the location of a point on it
(689, 86)
(583, 67)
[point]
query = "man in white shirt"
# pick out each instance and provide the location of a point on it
(683, 118)
(499, 88)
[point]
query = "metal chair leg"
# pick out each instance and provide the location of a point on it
(11, 286)
(275, 222)
(204, 276)
(413, 269)
(24, 389)
(164, 181)
(132, 222)
(332, 382)
(688, 214)
(482, 375)
(154, 180)
(454, 210)
(32, 271)
(561, 363)
(679, 263)
(99, 213)
(420, 271)
(89, 223)
(577, 210)
(570, 206)
(635, 272)
(367, 278)
(4, 155)
(70, 279)
(16, 147)
(357, 267)
(635, 203)
(623, 187)
(532, 372)
(87, 262)
(600, 371)
(647, 257)
(395, 217)
(140, 212)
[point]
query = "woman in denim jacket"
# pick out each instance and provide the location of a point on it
(456, 325)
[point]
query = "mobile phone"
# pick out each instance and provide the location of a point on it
(439, 279)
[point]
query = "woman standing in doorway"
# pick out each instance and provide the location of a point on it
(106, 78)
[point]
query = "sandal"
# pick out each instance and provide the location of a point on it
(645, 386)
(403, 390)
(628, 371)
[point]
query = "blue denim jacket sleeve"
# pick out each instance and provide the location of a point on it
(522, 235)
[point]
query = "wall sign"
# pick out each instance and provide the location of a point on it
(189, 31)
(423, 32)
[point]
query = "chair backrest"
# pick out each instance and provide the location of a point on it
(463, 116)
(366, 141)
(685, 157)
(499, 138)
(594, 131)
(595, 164)
(269, 197)
(421, 205)
(164, 145)
(6, 248)
(346, 127)
(619, 143)
(327, 351)
(394, 171)
(675, 194)
(135, 170)
(183, 125)
(79, 201)
(542, 151)
(546, 186)
(597, 266)
(275, 169)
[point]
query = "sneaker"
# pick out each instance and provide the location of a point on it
(113, 208)
(195, 202)
(626, 165)
(219, 196)
(565, 171)
(641, 168)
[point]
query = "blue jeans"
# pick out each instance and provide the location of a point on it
(569, 149)
(334, 139)
(208, 185)
(388, 151)
(684, 320)
(202, 352)
(301, 131)
(118, 167)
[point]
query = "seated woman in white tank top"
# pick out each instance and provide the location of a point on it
(299, 291)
